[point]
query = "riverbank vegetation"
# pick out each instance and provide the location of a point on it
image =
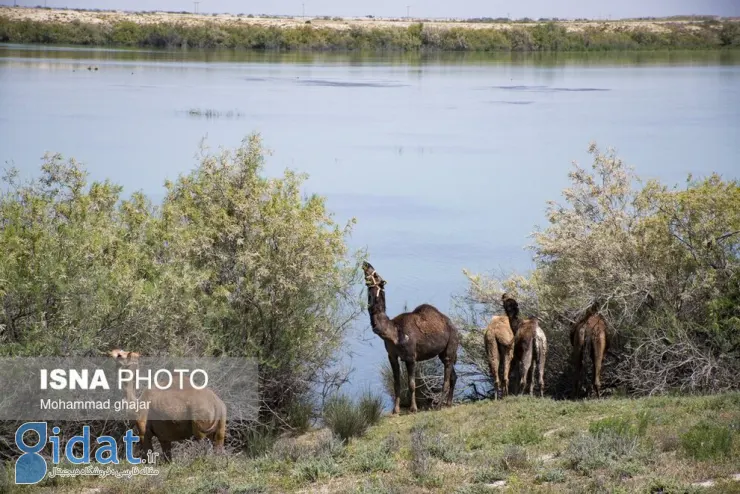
(549, 36)
(670, 444)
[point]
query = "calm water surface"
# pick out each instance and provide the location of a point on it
(445, 161)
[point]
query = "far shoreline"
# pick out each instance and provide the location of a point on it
(117, 28)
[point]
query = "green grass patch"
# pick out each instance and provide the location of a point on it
(707, 441)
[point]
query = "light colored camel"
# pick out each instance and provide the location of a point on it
(174, 414)
(530, 343)
(499, 343)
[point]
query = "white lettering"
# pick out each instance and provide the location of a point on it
(205, 378)
(156, 378)
(59, 379)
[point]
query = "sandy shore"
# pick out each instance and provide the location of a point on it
(93, 17)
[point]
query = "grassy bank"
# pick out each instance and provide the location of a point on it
(523, 444)
(183, 30)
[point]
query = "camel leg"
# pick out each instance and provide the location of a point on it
(508, 358)
(541, 357)
(447, 381)
(396, 384)
(531, 377)
(524, 364)
(166, 450)
(146, 442)
(220, 436)
(453, 380)
(577, 368)
(493, 362)
(411, 371)
(597, 357)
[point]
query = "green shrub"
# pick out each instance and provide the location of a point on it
(347, 419)
(515, 458)
(587, 452)
(378, 459)
(523, 434)
(371, 407)
(421, 458)
(299, 416)
(315, 469)
(617, 426)
(555, 475)
(707, 441)
(489, 475)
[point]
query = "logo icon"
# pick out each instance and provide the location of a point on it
(30, 467)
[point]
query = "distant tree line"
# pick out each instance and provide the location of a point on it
(543, 37)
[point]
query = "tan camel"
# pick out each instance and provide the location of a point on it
(499, 343)
(529, 341)
(589, 331)
(412, 337)
(165, 416)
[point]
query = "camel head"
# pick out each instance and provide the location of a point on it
(511, 307)
(124, 359)
(374, 282)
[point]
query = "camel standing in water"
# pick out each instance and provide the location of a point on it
(588, 332)
(499, 343)
(530, 343)
(415, 336)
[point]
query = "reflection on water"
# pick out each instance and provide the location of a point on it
(689, 57)
(546, 89)
(446, 160)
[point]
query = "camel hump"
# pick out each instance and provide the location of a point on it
(427, 308)
(429, 319)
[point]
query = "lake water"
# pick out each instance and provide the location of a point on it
(446, 162)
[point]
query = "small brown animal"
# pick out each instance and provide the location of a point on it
(530, 342)
(168, 412)
(589, 331)
(421, 334)
(499, 343)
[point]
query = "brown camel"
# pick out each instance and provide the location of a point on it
(589, 331)
(499, 342)
(530, 342)
(412, 337)
(171, 413)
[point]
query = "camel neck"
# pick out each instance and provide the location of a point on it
(515, 322)
(381, 323)
(514, 319)
(128, 390)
